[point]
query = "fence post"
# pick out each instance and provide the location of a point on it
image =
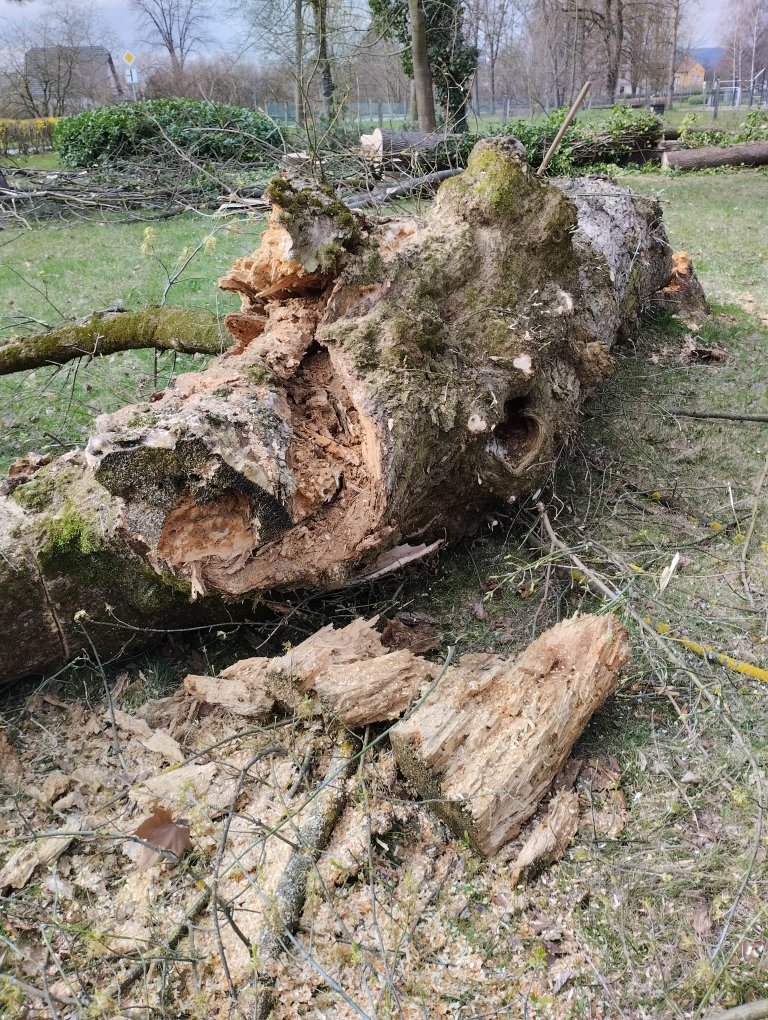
(717, 99)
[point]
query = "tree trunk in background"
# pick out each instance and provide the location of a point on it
(673, 55)
(614, 42)
(392, 381)
(743, 154)
(323, 59)
(422, 74)
(298, 59)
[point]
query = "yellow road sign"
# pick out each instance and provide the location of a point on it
(128, 57)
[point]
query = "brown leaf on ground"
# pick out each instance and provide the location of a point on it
(418, 637)
(598, 776)
(162, 832)
(694, 353)
(479, 611)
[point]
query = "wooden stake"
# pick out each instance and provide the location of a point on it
(564, 127)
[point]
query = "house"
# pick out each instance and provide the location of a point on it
(690, 75)
(63, 79)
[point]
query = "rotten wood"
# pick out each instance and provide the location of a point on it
(742, 154)
(487, 743)
(390, 381)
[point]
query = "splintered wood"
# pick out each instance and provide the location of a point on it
(487, 743)
(488, 739)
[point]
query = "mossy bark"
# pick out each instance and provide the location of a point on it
(390, 381)
(185, 330)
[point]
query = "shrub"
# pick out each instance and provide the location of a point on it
(23, 137)
(754, 128)
(135, 131)
(610, 141)
(697, 100)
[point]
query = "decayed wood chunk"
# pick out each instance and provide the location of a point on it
(488, 741)
(550, 838)
(357, 680)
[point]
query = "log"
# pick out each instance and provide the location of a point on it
(743, 154)
(184, 330)
(487, 743)
(392, 380)
(434, 150)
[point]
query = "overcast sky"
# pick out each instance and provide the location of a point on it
(704, 23)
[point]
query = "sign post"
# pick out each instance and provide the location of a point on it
(131, 72)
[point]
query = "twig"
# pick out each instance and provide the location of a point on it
(291, 889)
(751, 531)
(178, 933)
(757, 1010)
(681, 412)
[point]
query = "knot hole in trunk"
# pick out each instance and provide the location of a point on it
(518, 437)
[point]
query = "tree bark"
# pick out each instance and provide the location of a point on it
(184, 330)
(743, 154)
(422, 73)
(402, 377)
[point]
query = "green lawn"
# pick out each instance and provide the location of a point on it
(52, 272)
(721, 220)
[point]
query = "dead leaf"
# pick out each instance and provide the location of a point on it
(691, 778)
(693, 353)
(598, 776)
(479, 611)
(159, 741)
(161, 831)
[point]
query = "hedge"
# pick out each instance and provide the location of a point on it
(158, 127)
(23, 137)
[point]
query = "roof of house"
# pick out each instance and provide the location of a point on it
(688, 64)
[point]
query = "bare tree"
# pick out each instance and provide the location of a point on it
(176, 25)
(57, 63)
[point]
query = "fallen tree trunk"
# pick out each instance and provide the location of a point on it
(390, 382)
(743, 154)
(184, 330)
(433, 150)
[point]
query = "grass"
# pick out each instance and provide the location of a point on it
(54, 272)
(721, 220)
(667, 915)
(37, 161)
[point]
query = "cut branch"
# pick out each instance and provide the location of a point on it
(184, 330)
